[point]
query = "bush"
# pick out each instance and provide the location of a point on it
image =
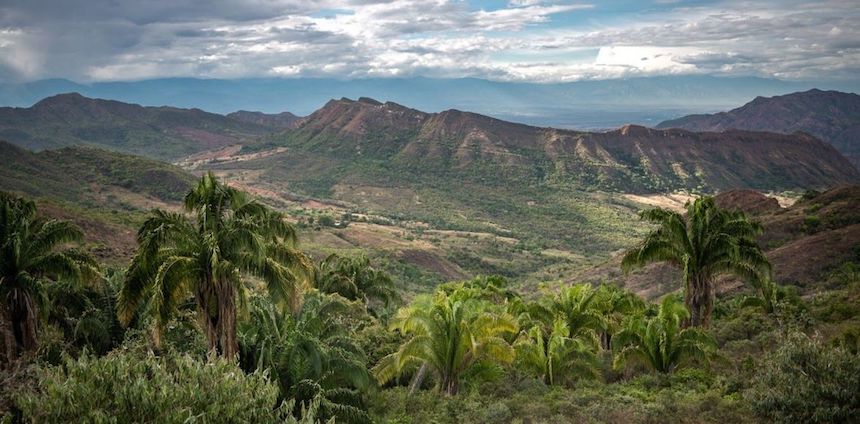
(806, 381)
(811, 224)
(326, 220)
(123, 387)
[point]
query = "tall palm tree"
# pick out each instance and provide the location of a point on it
(355, 279)
(33, 255)
(660, 343)
(450, 333)
(554, 356)
(211, 257)
(708, 242)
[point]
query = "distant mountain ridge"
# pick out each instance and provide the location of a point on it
(632, 158)
(829, 115)
(452, 142)
(281, 120)
(158, 132)
(597, 104)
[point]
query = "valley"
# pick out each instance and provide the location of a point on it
(513, 217)
(430, 212)
(431, 197)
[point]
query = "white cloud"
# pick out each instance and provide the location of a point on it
(124, 39)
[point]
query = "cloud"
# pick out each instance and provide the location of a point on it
(532, 40)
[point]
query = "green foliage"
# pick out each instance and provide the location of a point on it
(86, 315)
(122, 387)
(660, 344)
(811, 224)
(99, 178)
(772, 297)
(211, 257)
(561, 332)
(807, 381)
(450, 334)
(326, 220)
(707, 242)
(538, 215)
(310, 355)
(356, 279)
(34, 254)
(680, 398)
(614, 305)
(555, 357)
(492, 288)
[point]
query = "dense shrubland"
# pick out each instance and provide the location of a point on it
(220, 317)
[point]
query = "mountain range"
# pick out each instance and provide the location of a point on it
(829, 115)
(598, 104)
(366, 132)
(629, 159)
(432, 195)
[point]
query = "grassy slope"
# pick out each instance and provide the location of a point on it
(805, 242)
(529, 233)
(158, 132)
(105, 193)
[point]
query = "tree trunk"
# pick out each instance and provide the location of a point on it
(227, 319)
(605, 340)
(699, 298)
(418, 378)
(450, 385)
(708, 308)
(23, 312)
(10, 346)
(208, 313)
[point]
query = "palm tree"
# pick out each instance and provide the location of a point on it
(355, 279)
(211, 257)
(553, 355)
(574, 304)
(492, 288)
(660, 343)
(33, 255)
(87, 314)
(706, 243)
(450, 333)
(309, 354)
(614, 304)
(770, 296)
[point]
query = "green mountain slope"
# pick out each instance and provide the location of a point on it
(158, 132)
(104, 192)
(805, 242)
(631, 159)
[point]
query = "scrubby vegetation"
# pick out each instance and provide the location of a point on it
(220, 318)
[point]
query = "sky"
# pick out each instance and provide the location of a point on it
(503, 40)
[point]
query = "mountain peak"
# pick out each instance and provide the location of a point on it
(369, 101)
(64, 99)
(281, 120)
(632, 130)
(831, 116)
